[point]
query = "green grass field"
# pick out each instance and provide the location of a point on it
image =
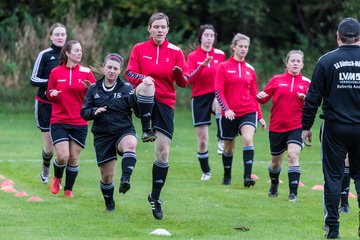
(193, 209)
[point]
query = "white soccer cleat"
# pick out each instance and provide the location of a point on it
(206, 176)
(44, 174)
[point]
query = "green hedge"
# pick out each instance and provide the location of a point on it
(22, 36)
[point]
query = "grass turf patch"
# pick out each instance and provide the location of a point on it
(193, 209)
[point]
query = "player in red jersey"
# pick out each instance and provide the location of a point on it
(288, 91)
(203, 63)
(66, 90)
(236, 90)
(162, 63)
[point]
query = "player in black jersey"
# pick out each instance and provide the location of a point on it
(107, 103)
(46, 60)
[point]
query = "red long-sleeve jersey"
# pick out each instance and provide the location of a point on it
(286, 111)
(236, 88)
(202, 77)
(158, 61)
(66, 106)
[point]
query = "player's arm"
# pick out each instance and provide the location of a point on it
(36, 79)
(88, 108)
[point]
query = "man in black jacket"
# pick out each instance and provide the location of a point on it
(336, 84)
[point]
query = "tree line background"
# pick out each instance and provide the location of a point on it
(103, 26)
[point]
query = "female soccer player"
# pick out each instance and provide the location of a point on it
(107, 103)
(203, 63)
(46, 60)
(288, 91)
(236, 90)
(162, 63)
(66, 90)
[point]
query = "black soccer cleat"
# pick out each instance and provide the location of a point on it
(148, 136)
(156, 207)
(273, 192)
(124, 185)
(110, 207)
(226, 180)
(293, 197)
(248, 182)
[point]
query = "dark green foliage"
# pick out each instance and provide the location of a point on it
(275, 27)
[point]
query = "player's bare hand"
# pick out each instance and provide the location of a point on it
(263, 123)
(100, 110)
(262, 95)
(229, 114)
(54, 93)
(86, 83)
(148, 81)
(306, 136)
(207, 61)
(301, 96)
(177, 69)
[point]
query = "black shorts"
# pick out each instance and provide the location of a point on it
(42, 115)
(201, 108)
(163, 119)
(280, 140)
(65, 132)
(106, 146)
(162, 116)
(230, 129)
